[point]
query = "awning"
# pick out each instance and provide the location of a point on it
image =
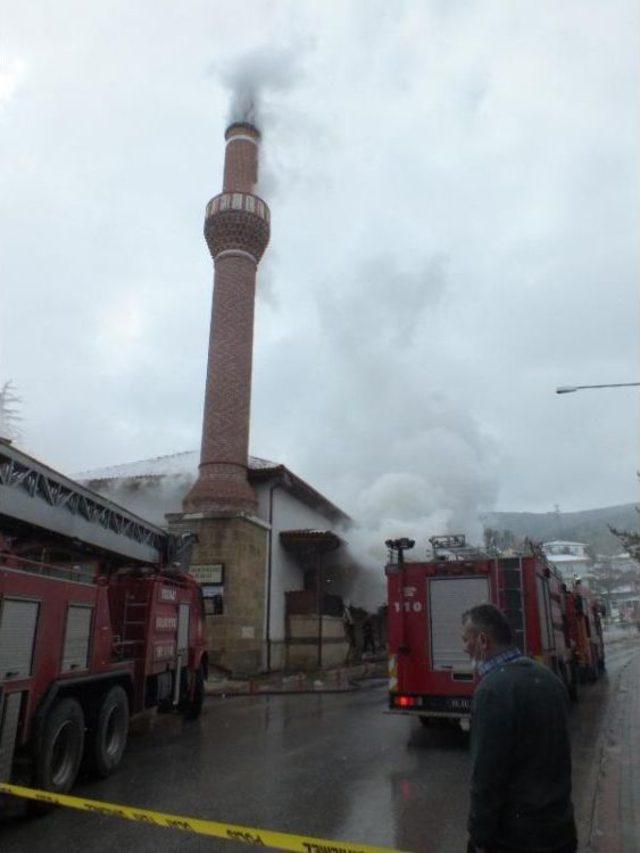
(310, 541)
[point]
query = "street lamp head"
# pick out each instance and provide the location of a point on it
(569, 389)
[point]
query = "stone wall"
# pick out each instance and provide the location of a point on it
(235, 639)
(302, 645)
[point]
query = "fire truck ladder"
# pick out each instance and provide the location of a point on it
(511, 593)
(134, 619)
(33, 493)
(399, 546)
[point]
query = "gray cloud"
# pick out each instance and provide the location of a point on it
(454, 234)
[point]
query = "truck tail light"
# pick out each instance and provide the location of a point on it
(406, 701)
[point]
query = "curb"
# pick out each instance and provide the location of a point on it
(275, 691)
(227, 694)
(344, 681)
(626, 639)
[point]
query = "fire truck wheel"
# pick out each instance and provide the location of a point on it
(194, 707)
(572, 687)
(62, 743)
(110, 736)
(566, 675)
(592, 672)
(574, 678)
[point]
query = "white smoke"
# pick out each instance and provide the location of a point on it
(417, 463)
(149, 497)
(253, 76)
(258, 82)
(439, 483)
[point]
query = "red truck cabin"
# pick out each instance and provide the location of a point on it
(430, 675)
(429, 672)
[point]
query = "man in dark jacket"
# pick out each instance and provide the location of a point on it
(520, 750)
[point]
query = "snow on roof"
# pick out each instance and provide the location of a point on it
(160, 466)
(567, 558)
(185, 464)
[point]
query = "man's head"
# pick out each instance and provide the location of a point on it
(485, 632)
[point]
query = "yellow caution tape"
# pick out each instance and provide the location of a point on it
(229, 831)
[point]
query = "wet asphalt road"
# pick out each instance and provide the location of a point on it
(333, 766)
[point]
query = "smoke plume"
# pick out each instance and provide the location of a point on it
(407, 457)
(252, 77)
(149, 497)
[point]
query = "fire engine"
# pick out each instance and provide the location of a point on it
(430, 675)
(584, 612)
(99, 621)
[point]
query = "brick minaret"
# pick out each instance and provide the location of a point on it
(237, 232)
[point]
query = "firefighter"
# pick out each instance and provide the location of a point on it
(368, 639)
(520, 749)
(349, 630)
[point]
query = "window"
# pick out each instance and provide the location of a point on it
(213, 597)
(210, 576)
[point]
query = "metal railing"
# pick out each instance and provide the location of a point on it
(73, 573)
(239, 201)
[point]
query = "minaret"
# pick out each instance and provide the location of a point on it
(236, 229)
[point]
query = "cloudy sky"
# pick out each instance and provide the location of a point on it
(453, 188)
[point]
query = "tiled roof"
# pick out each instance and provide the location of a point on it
(160, 466)
(304, 540)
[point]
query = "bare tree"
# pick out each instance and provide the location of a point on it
(500, 540)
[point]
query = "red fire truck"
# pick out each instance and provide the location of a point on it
(99, 621)
(585, 632)
(430, 675)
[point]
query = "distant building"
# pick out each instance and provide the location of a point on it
(304, 569)
(622, 562)
(571, 559)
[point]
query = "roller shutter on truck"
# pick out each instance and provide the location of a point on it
(76, 638)
(448, 600)
(18, 621)
(9, 716)
(545, 614)
(18, 624)
(183, 629)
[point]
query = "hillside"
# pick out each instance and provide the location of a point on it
(588, 526)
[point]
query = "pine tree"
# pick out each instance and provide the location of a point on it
(630, 539)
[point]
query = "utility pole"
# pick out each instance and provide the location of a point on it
(556, 508)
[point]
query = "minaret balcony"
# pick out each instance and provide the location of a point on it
(237, 222)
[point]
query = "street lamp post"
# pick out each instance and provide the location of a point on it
(569, 389)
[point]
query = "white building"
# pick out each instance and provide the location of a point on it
(307, 566)
(571, 559)
(621, 562)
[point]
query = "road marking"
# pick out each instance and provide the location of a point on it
(228, 831)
